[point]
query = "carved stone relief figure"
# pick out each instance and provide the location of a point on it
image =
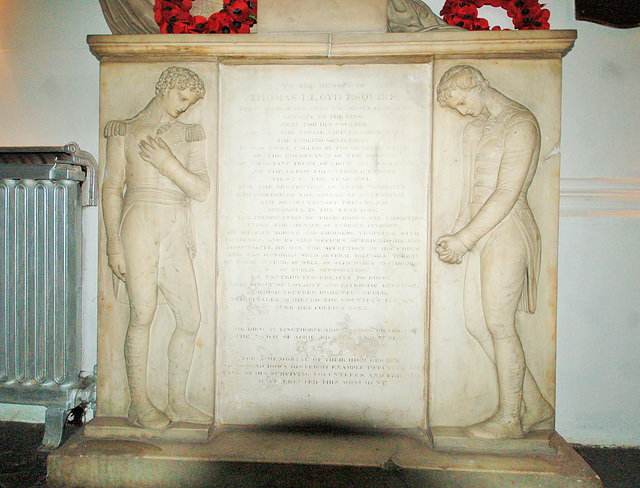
(497, 235)
(155, 166)
(413, 16)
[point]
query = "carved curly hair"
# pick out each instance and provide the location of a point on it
(461, 77)
(180, 78)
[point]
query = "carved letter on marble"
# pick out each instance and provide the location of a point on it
(155, 167)
(497, 237)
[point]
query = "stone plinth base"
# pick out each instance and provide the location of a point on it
(456, 440)
(120, 428)
(235, 458)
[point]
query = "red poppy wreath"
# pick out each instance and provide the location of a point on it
(525, 14)
(236, 17)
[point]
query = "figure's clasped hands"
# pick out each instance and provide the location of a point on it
(154, 151)
(450, 249)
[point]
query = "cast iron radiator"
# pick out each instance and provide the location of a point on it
(42, 192)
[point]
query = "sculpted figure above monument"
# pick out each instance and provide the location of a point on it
(130, 16)
(413, 16)
(496, 233)
(155, 166)
(137, 16)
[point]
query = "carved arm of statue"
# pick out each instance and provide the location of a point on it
(112, 199)
(521, 146)
(191, 178)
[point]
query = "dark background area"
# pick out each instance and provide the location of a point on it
(22, 465)
(614, 13)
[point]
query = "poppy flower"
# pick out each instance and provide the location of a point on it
(184, 4)
(252, 5)
(530, 11)
(526, 15)
(468, 12)
(166, 10)
(162, 5)
(452, 6)
(544, 15)
(515, 7)
(173, 28)
(197, 25)
(480, 24)
(238, 10)
(541, 25)
(240, 28)
(183, 17)
(218, 21)
(464, 23)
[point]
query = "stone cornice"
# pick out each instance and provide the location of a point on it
(447, 44)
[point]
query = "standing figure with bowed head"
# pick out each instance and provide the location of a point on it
(155, 166)
(497, 234)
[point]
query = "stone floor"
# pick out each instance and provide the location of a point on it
(23, 466)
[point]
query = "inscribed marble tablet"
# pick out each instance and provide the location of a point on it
(323, 231)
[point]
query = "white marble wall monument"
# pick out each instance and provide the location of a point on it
(328, 228)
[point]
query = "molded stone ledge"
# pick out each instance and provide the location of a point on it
(513, 44)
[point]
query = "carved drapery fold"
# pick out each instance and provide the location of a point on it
(130, 16)
(413, 16)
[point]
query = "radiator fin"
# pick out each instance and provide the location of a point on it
(40, 275)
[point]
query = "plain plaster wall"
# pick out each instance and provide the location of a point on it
(49, 87)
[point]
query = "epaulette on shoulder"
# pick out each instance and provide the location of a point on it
(194, 133)
(115, 128)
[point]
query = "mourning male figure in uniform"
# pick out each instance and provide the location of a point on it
(155, 166)
(497, 232)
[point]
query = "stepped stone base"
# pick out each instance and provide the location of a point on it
(271, 458)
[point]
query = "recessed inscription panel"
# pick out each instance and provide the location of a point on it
(323, 243)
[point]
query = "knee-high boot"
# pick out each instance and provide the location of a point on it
(538, 412)
(510, 368)
(141, 410)
(180, 356)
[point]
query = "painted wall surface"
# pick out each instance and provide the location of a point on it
(49, 84)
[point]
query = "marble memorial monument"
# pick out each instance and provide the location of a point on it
(323, 227)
